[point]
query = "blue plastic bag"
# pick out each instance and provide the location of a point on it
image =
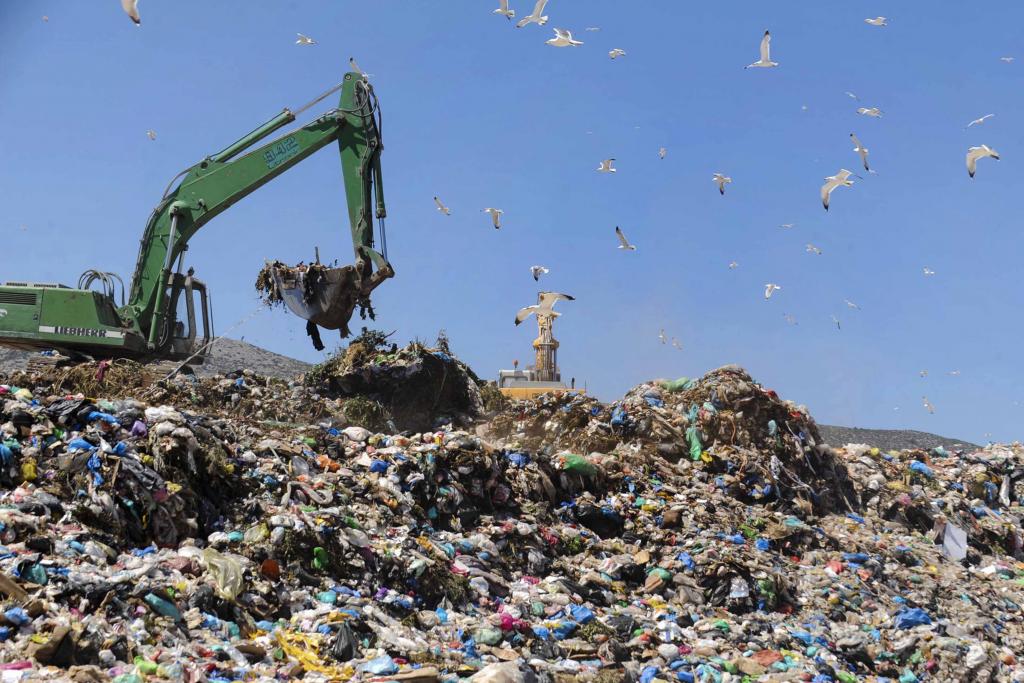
(382, 665)
(909, 618)
(921, 468)
(581, 614)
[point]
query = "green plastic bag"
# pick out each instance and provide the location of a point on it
(674, 385)
(577, 464)
(696, 447)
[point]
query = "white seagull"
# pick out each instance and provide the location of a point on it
(721, 180)
(545, 307)
(537, 271)
(928, 271)
(978, 122)
(770, 289)
(790, 318)
(975, 153)
(787, 225)
(852, 96)
(661, 336)
(811, 249)
(870, 111)
(765, 60)
(534, 17)
(836, 321)
(495, 216)
(606, 166)
(928, 405)
(151, 134)
(1008, 60)
(675, 343)
(616, 52)
(563, 38)
(861, 150)
(852, 305)
(733, 265)
(441, 207)
(503, 9)
(662, 152)
(877, 21)
(304, 40)
(840, 179)
(623, 242)
(592, 28)
(131, 8)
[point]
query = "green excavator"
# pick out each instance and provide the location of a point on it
(168, 316)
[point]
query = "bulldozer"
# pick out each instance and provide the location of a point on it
(167, 316)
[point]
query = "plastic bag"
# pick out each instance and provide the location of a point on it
(226, 573)
(674, 385)
(577, 464)
(345, 647)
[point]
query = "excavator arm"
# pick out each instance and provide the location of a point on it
(218, 181)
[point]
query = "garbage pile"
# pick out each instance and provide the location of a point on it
(693, 531)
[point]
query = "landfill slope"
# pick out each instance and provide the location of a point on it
(890, 439)
(226, 355)
(245, 528)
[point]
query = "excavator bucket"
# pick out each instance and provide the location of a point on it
(326, 297)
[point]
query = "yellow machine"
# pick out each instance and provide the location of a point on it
(543, 376)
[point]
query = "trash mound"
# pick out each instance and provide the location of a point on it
(238, 529)
(414, 388)
(762, 448)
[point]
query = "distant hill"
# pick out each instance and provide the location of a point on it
(889, 439)
(226, 355)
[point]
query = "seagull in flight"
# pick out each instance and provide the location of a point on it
(304, 40)
(840, 179)
(563, 38)
(852, 305)
(877, 21)
(923, 373)
(151, 134)
(765, 60)
(928, 405)
(870, 111)
(928, 272)
(733, 265)
(534, 17)
(836, 321)
(592, 28)
(953, 373)
(975, 153)
(545, 306)
(606, 166)
(811, 249)
(978, 122)
(787, 225)
(722, 180)
(131, 8)
(616, 52)
(441, 207)
(1008, 60)
(770, 289)
(623, 242)
(852, 96)
(676, 344)
(537, 271)
(495, 216)
(790, 318)
(662, 152)
(661, 336)
(861, 150)
(503, 9)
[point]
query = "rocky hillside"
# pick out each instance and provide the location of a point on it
(227, 355)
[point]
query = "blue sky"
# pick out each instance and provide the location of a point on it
(483, 114)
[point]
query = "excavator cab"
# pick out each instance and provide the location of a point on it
(189, 331)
